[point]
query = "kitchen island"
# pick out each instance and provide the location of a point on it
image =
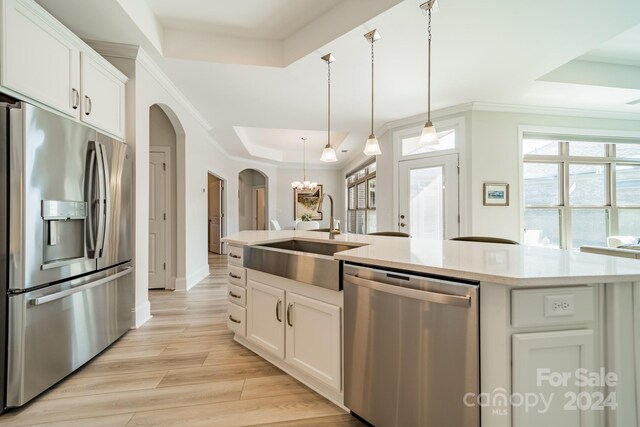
(543, 314)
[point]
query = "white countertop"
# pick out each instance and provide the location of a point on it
(513, 265)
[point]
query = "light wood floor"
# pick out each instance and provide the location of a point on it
(181, 368)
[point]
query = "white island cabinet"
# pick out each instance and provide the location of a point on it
(43, 62)
(559, 331)
(295, 326)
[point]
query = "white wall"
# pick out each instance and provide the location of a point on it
(196, 155)
(495, 157)
(332, 181)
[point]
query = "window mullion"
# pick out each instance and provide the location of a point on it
(566, 218)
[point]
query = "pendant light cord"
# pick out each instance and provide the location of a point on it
(304, 159)
(329, 103)
(372, 85)
(429, 70)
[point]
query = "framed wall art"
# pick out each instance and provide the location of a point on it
(306, 202)
(496, 194)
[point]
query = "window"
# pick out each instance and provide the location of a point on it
(361, 200)
(578, 191)
(446, 141)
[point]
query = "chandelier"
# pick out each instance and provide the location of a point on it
(304, 185)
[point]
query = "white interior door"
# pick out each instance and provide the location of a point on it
(260, 207)
(429, 197)
(215, 214)
(157, 221)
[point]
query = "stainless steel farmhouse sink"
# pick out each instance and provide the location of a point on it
(305, 261)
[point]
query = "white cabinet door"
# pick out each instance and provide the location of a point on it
(102, 97)
(39, 61)
(313, 338)
(538, 359)
(265, 317)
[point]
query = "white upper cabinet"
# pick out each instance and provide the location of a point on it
(102, 97)
(38, 60)
(43, 62)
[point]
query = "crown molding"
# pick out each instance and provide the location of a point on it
(114, 50)
(510, 108)
(555, 111)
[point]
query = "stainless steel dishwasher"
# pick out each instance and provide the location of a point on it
(411, 348)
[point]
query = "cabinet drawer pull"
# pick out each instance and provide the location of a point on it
(232, 295)
(234, 320)
(278, 305)
(76, 98)
(234, 276)
(289, 322)
(235, 256)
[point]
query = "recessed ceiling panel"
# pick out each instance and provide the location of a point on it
(253, 19)
(285, 145)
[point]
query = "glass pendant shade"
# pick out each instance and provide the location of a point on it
(429, 135)
(296, 184)
(329, 154)
(372, 148)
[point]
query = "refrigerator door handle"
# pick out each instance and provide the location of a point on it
(106, 213)
(101, 200)
(91, 198)
(67, 292)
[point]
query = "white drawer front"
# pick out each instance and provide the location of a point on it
(235, 255)
(554, 306)
(237, 275)
(237, 319)
(237, 295)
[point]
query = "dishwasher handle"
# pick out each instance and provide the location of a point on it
(436, 297)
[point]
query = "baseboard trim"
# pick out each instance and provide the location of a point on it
(141, 314)
(184, 284)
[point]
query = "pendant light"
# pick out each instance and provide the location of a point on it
(304, 185)
(329, 154)
(429, 135)
(372, 148)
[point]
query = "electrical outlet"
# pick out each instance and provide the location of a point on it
(559, 305)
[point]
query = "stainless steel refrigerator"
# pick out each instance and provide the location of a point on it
(65, 246)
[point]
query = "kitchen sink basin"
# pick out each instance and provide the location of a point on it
(320, 248)
(304, 261)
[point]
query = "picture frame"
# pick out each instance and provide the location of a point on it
(495, 194)
(306, 202)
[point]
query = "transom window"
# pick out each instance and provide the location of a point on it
(361, 200)
(579, 191)
(446, 141)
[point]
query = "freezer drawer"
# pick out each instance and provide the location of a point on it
(55, 330)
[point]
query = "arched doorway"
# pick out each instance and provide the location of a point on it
(166, 167)
(253, 203)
